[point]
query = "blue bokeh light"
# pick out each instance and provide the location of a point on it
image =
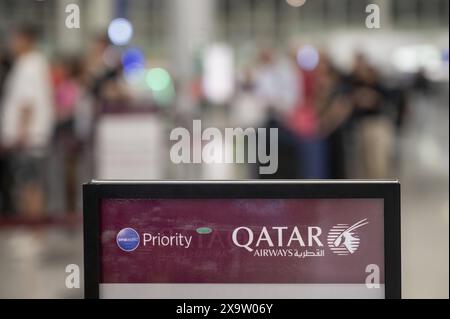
(120, 31)
(308, 58)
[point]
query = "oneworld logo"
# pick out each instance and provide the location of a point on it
(128, 239)
(343, 239)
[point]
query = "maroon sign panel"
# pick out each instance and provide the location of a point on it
(241, 240)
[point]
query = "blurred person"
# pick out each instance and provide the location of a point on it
(279, 88)
(372, 129)
(5, 66)
(276, 82)
(104, 74)
(96, 61)
(311, 148)
(68, 92)
(334, 110)
(27, 121)
(5, 174)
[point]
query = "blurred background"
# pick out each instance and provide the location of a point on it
(99, 101)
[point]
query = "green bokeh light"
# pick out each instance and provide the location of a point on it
(158, 79)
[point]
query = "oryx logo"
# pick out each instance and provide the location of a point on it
(343, 239)
(128, 239)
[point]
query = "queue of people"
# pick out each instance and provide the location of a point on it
(331, 124)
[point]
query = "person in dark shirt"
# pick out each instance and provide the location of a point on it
(372, 128)
(5, 176)
(5, 65)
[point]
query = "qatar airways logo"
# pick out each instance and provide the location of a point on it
(284, 241)
(343, 239)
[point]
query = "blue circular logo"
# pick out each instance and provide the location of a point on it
(128, 239)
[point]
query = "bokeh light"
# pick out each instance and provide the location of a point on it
(133, 62)
(445, 55)
(308, 58)
(296, 3)
(120, 31)
(133, 57)
(158, 79)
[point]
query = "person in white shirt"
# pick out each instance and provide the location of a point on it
(27, 120)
